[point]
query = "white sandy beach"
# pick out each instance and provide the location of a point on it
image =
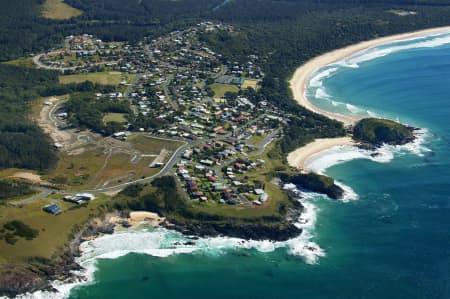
(299, 157)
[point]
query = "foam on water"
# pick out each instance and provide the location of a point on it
(372, 53)
(161, 242)
(353, 109)
(318, 77)
(321, 93)
(320, 162)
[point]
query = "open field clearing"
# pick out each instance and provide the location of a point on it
(54, 230)
(114, 117)
(58, 10)
(250, 83)
(220, 89)
(111, 162)
(105, 78)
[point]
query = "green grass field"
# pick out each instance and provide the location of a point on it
(23, 62)
(54, 230)
(114, 117)
(58, 10)
(105, 78)
(220, 89)
(151, 145)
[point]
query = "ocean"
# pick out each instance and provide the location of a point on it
(388, 238)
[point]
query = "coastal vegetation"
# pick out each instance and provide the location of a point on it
(315, 182)
(11, 189)
(17, 229)
(377, 131)
(165, 198)
(35, 245)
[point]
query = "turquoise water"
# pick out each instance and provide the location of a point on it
(393, 242)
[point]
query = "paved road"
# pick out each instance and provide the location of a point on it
(43, 193)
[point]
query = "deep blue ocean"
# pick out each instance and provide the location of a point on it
(392, 242)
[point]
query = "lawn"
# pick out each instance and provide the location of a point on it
(105, 78)
(220, 89)
(114, 117)
(54, 230)
(58, 10)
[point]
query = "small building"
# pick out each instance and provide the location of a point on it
(85, 196)
(263, 197)
(52, 209)
(259, 191)
(207, 162)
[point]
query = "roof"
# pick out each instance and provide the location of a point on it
(259, 191)
(52, 209)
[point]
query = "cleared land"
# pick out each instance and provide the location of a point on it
(105, 78)
(220, 89)
(58, 10)
(110, 162)
(23, 62)
(250, 83)
(114, 117)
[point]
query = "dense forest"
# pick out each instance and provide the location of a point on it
(22, 143)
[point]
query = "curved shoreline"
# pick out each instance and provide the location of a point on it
(299, 157)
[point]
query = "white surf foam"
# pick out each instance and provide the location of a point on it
(353, 109)
(372, 53)
(320, 75)
(160, 242)
(321, 93)
(320, 162)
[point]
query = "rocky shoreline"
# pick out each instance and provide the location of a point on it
(38, 273)
(276, 231)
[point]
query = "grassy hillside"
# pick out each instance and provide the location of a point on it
(58, 10)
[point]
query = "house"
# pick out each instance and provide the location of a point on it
(192, 186)
(207, 162)
(263, 197)
(238, 165)
(85, 196)
(52, 209)
(219, 187)
(259, 191)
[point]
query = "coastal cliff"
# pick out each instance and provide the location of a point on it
(375, 132)
(316, 183)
